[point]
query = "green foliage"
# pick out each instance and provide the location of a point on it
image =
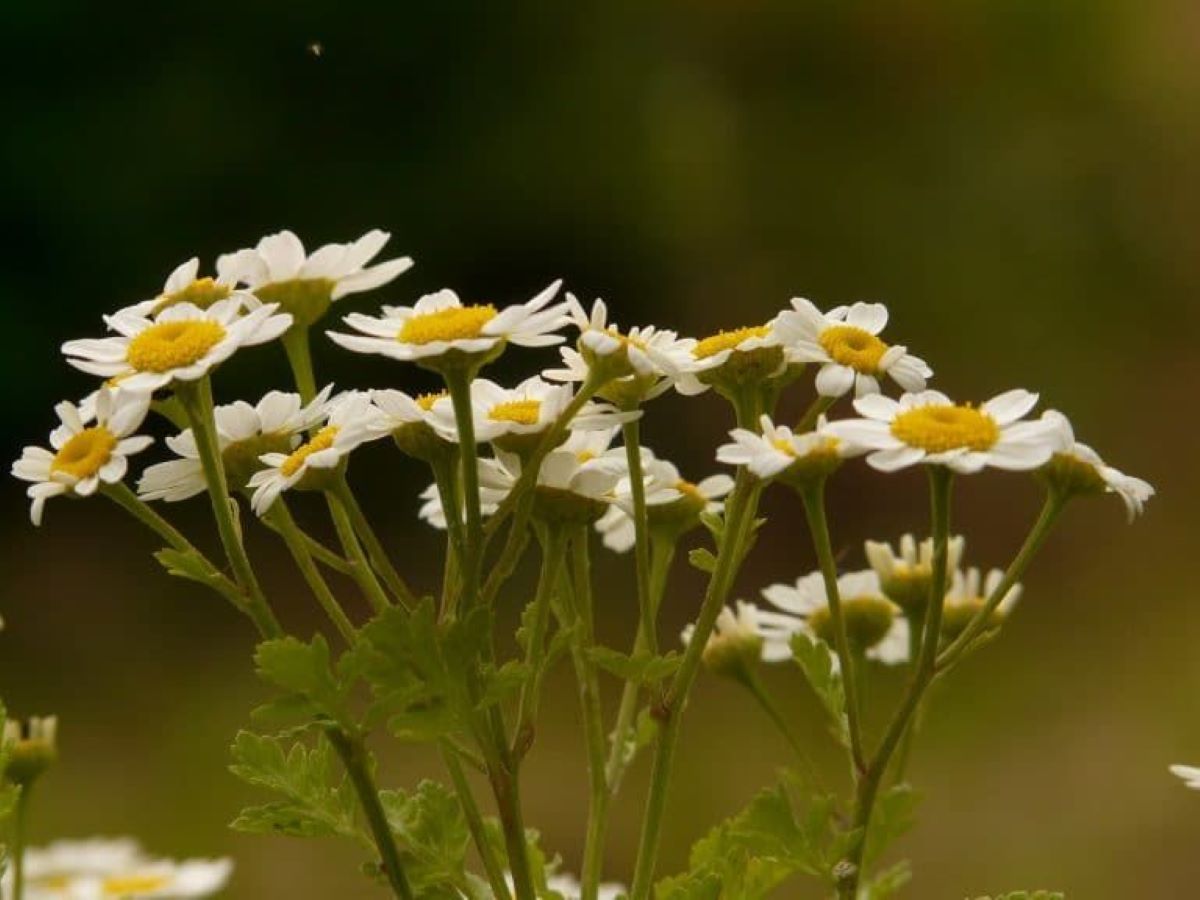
(888, 882)
(305, 674)
(8, 792)
(432, 836)
(895, 812)
(780, 834)
(642, 668)
(816, 661)
(703, 560)
(311, 805)
(1026, 895)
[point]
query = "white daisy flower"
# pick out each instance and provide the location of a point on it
(758, 348)
(278, 270)
(1189, 774)
(51, 872)
(86, 451)
(184, 285)
(1079, 469)
(873, 623)
(969, 593)
(670, 500)
(906, 574)
(777, 449)
(157, 879)
(350, 420)
(929, 428)
(845, 342)
(654, 356)
(569, 887)
(530, 408)
(439, 323)
(748, 631)
(584, 465)
(182, 342)
(433, 513)
(244, 433)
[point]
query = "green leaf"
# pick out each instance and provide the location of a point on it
(310, 805)
(501, 683)
(894, 815)
(816, 662)
(184, 564)
(703, 560)
(642, 668)
(888, 882)
(432, 835)
(1026, 895)
(304, 672)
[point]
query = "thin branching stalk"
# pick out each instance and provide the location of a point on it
(20, 830)
(637, 489)
(458, 383)
(749, 679)
(376, 554)
(281, 517)
(299, 353)
(360, 567)
(475, 825)
(554, 545)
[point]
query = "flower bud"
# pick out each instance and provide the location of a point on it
(31, 749)
(307, 299)
(868, 620)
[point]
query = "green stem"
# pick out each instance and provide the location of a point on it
(660, 567)
(299, 353)
(593, 723)
(20, 835)
(445, 476)
(360, 566)
(553, 553)
(940, 484)
(281, 517)
(1051, 509)
(819, 406)
(358, 766)
(916, 623)
(466, 799)
(738, 526)
(818, 526)
(377, 556)
(317, 550)
(750, 680)
(637, 488)
(458, 383)
(196, 397)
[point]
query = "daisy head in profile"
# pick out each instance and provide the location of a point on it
(970, 591)
(845, 343)
(439, 329)
(745, 635)
(85, 451)
(775, 451)
(1076, 468)
(186, 285)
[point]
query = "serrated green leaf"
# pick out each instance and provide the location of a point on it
(184, 564)
(642, 668)
(894, 815)
(703, 560)
(311, 805)
(816, 661)
(889, 881)
(304, 672)
(432, 837)
(501, 683)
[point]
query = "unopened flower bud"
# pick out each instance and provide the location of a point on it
(31, 748)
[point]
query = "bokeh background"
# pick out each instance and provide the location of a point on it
(1018, 180)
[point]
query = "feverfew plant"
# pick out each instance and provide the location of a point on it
(534, 469)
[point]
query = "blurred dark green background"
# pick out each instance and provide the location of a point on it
(1018, 180)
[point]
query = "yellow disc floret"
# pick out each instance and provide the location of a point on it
(853, 347)
(133, 885)
(426, 401)
(203, 292)
(323, 440)
(938, 429)
(456, 323)
(85, 453)
(173, 345)
(520, 412)
(728, 340)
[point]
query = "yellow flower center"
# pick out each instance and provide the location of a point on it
(83, 455)
(203, 292)
(426, 401)
(322, 440)
(54, 883)
(132, 885)
(728, 340)
(522, 412)
(173, 345)
(937, 429)
(457, 323)
(585, 456)
(783, 446)
(853, 347)
(690, 490)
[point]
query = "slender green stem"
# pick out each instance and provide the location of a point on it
(19, 839)
(458, 383)
(940, 484)
(445, 476)
(916, 626)
(281, 517)
(1051, 509)
(466, 799)
(661, 557)
(361, 571)
(819, 406)
(376, 554)
(299, 353)
(818, 526)
(196, 397)
(502, 774)
(593, 723)
(317, 550)
(354, 757)
(750, 680)
(553, 553)
(739, 524)
(637, 489)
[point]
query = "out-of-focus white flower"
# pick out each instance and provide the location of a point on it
(747, 632)
(930, 428)
(873, 623)
(439, 323)
(583, 465)
(184, 285)
(845, 342)
(181, 343)
(969, 593)
(776, 449)
(350, 420)
(1077, 468)
(568, 886)
(85, 451)
(244, 433)
(907, 576)
(1189, 774)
